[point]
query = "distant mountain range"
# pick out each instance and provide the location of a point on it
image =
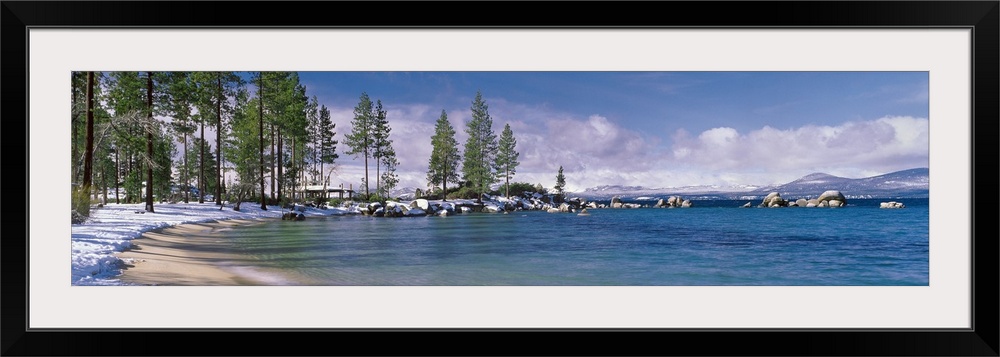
(912, 183)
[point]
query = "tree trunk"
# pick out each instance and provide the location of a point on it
(88, 158)
(260, 94)
(444, 181)
(368, 194)
(201, 166)
(378, 176)
(507, 185)
(104, 183)
(149, 142)
(218, 143)
(118, 170)
(74, 150)
(185, 173)
(280, 162)
(272, 161)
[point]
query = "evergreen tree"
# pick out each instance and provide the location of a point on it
(127, 101)
(382, 150)
(176, 102)
(290, 131)
(243, 145)
(313, 139)
(388, 177)
(78, 122)
(151, 125)
(205, 185)
(506, 159)
(480, 148)
(163, 156)
(560, 181)
(214, 90)
(443, 166)
(89, 150)
(327, 146)
(360, 140)
(260, 133)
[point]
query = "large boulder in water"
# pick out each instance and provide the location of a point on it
(415, 212)
(833, 195)
(773, 199)
(421, 204)
(891, 204)
(372, 208)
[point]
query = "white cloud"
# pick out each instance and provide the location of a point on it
(851, 149)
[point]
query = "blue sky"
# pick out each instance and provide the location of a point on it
(654, 129)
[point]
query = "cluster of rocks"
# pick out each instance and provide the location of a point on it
(529, 201)
(891, 204)
(534, 201)
(616, 202)
(393, 209)
(295, 213)
(672, 202)
(566, 207)
(831, 198)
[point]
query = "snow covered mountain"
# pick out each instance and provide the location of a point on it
(912, 183)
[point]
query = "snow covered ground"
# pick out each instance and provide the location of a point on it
(112, 228)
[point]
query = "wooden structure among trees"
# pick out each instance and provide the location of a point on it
(313, 191)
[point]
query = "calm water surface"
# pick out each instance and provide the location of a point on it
(713, 243)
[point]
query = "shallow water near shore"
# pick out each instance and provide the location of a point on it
(713, 243)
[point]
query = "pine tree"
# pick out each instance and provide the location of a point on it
(560, 181)
(313, 138)
(205, 184)
(242, 147)
(359, 140)
(176, 102)
(443, 166)
(382, 150)
(214, 90)
(481, 146)
(506, 159)
(150, 124)
(127, 101)
(260, 134)
(89, 151)
(388, 177)
(327, 146)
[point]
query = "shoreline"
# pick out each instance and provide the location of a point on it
(190, 254)
(114, 232)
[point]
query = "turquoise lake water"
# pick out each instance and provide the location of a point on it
(712, 243)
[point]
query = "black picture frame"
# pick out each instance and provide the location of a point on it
(983, 339)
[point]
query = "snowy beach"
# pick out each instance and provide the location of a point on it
(112, 229)
(102, 245)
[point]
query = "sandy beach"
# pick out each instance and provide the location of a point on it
(188, 254)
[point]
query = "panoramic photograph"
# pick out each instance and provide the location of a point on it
(500, 178)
